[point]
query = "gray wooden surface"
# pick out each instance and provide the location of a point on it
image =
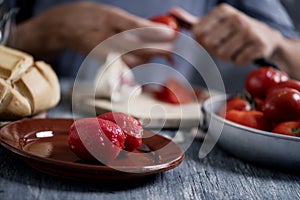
(218, 176)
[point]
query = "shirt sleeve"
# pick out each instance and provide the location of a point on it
(272, 12)
(25, 8)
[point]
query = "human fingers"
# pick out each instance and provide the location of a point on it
(139, 57)
(256, 48)
(122, 21)
(247, 54)
(207, 24)
(123, 43)
(133, 60)
(231, 46)
(130, 40)
(188, 20)
(221, 33)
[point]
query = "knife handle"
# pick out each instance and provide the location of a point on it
(182, 23)
(262, 62)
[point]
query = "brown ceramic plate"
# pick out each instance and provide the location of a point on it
(42, 143)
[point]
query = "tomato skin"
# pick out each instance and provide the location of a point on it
(250, 118)
(259, 81)
(291, 128)
(106, 136)
(282, 104)
(289, 83)
(235, 103)
(166, 19)
(258, 103)
(175, 92)
(166, 95)
(129, 125)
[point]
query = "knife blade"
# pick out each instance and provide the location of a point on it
(182, 23)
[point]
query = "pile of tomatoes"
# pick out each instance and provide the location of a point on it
(271, 103)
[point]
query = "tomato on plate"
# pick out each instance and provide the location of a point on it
(235, 103)
(104, 138)
(259, 81)
(282, 104)
(291, 128)
(129, 125)
(250, 118)
(166, 19)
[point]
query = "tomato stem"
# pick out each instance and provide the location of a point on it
(295, 131)
(248, 97)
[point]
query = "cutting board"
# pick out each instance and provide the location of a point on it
(151, 112)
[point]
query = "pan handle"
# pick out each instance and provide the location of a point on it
(204, 123)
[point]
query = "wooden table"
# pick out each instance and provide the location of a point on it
(218, 176)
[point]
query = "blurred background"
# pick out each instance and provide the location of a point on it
(292, 7)
(151, 75)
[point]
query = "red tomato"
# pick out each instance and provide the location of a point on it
(282, 104)
(291, 128)
(166, 19)
(250, 118)
(129, 125)
(258, 103)
(289, 83)
(235, 103)
(103, 137)
(172, 23)
(259, 81)
(175, 92)
(166, 95)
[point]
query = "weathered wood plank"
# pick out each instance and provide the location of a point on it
(218, 176)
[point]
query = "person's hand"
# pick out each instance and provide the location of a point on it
(232, 35)
(82, 26)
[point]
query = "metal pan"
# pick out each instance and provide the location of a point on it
(256, 146)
